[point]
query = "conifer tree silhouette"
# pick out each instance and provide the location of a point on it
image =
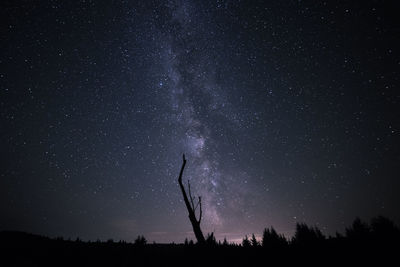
(254, 241)
(246, 242)
(272, 240)
(191, 207)
(306, 236)
(140, 241)
(359, 231)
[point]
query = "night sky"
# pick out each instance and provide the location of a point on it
(287, 111)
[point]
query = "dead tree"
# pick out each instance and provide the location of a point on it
(191, 207)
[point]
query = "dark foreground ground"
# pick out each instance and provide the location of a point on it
(21, 249)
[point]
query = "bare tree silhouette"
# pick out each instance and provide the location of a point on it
(191, 207)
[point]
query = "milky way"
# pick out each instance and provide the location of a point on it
(196, 102)
(286, 112)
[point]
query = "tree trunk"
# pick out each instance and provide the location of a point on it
(191, 208)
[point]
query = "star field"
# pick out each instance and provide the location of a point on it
(287, 112)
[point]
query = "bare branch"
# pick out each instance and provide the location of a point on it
(196, 205)
(181, 172)
(190, 196)
(201, 211)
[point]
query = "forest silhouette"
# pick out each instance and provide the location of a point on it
(374, 242)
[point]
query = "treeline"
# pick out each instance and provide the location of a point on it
(361, 243)
(379, 231)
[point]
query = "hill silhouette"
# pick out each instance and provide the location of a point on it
(377, 242)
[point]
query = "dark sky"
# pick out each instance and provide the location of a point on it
(288, 111)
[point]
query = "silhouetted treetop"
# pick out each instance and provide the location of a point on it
(271, 239)
(246, 242)
(306, 235)
(254, 241)
(140, 241)
(359, 230)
